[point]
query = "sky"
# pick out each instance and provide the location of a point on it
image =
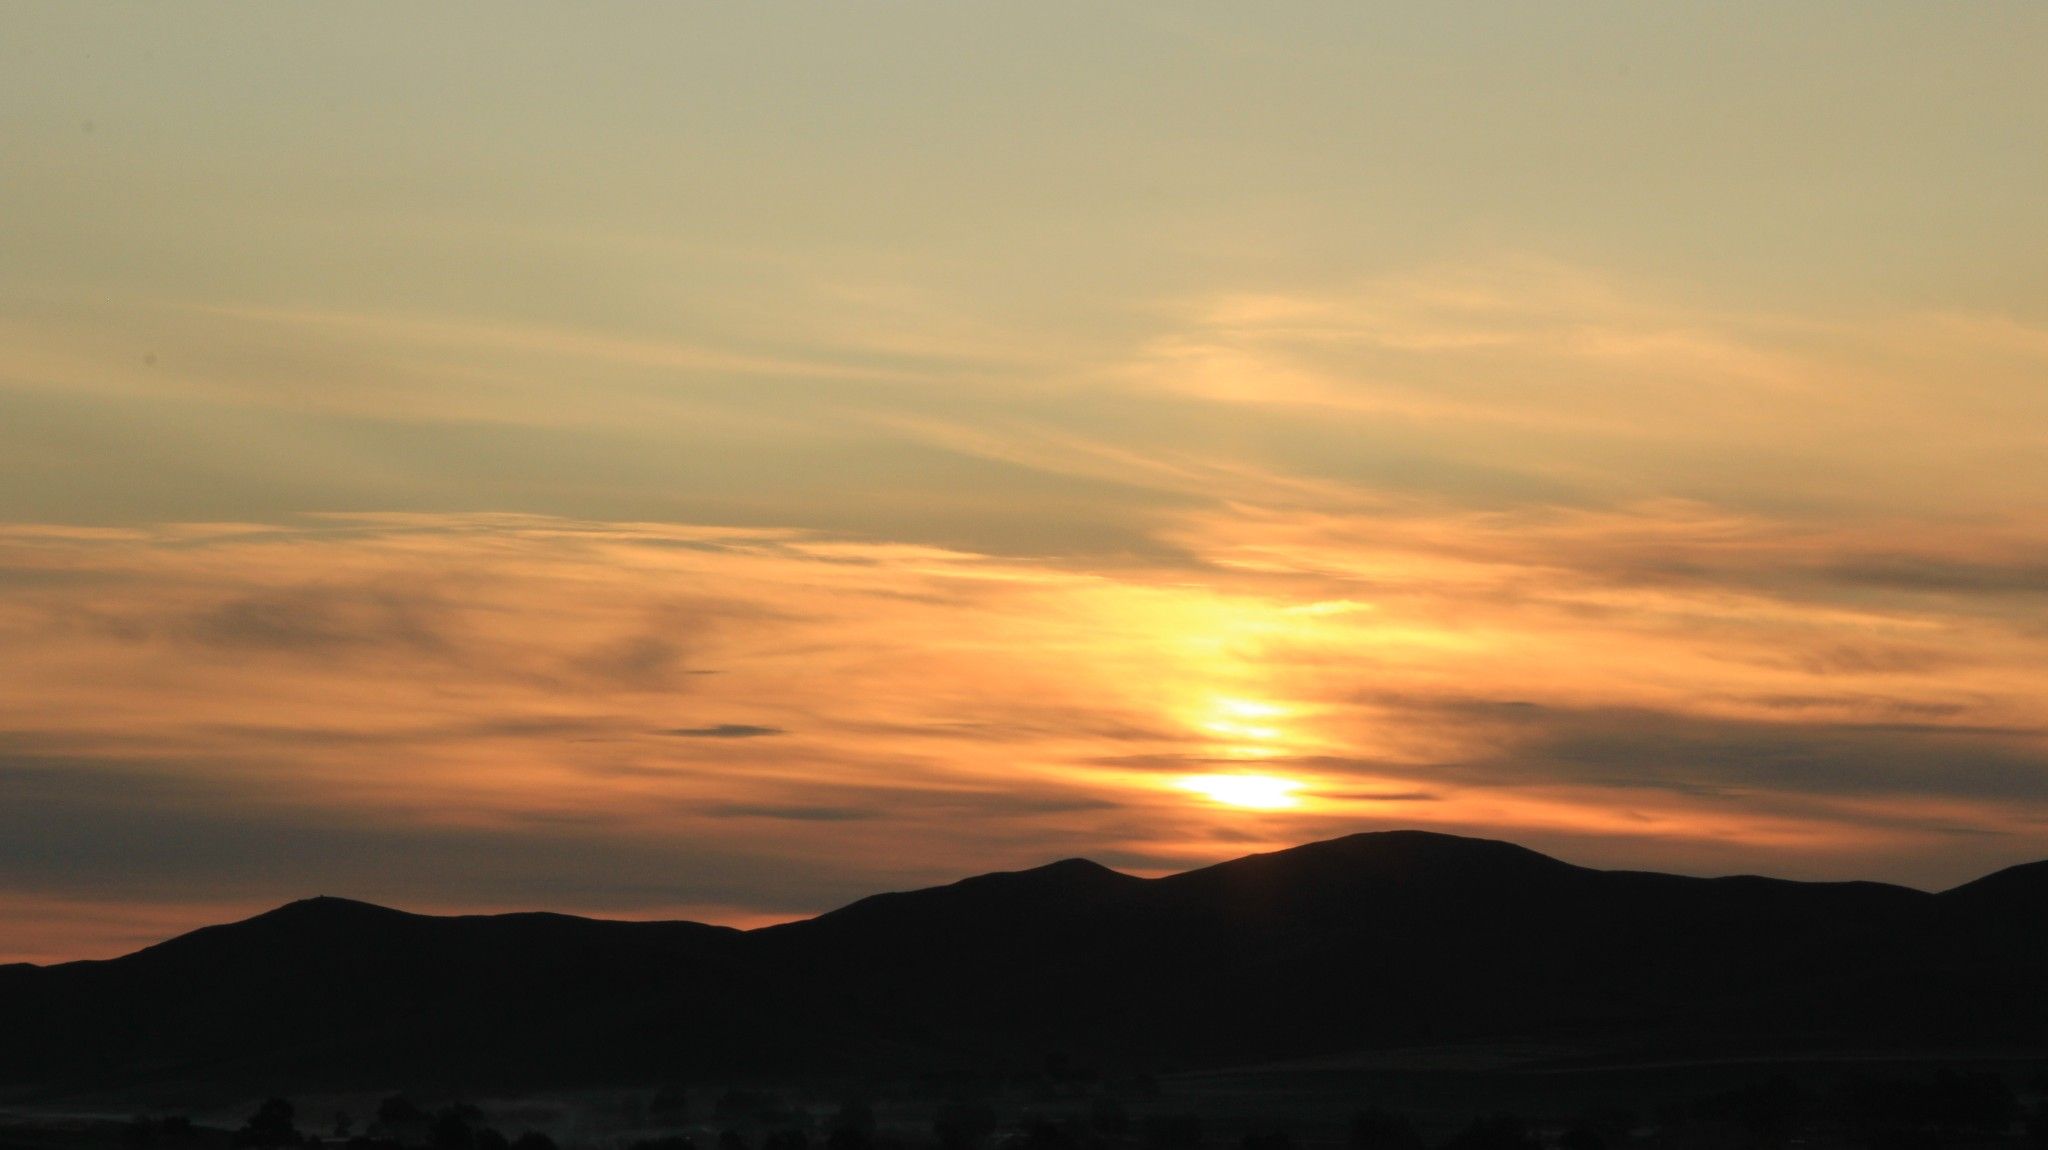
(719, 461)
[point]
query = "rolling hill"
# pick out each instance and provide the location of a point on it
(1374, 940)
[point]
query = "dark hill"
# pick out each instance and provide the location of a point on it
(2026, 884)
(1370, 940)
(332, 990)
(1399, 937)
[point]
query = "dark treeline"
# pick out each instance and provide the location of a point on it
(399, 1124)
(1945, 1109)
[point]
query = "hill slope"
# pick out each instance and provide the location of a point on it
(1376, 939)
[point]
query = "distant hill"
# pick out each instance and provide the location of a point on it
(1372, 940)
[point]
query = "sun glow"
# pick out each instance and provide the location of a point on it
(1243, 721)
(1249, 709)
(1255, 792)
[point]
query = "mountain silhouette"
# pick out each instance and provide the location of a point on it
(1374, 940)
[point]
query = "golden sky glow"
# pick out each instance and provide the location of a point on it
(724, 461)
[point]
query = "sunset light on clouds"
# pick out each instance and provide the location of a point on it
(588, 470)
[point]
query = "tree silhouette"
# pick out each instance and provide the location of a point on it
(398, 1116)
(271, 1125)
(455, 1128)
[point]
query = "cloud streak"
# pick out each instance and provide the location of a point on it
(470, 694)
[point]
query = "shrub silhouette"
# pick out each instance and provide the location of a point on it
(1962, 1101)
(2037, 1127)
(853, 1127)
(1268, 1140)
(667, 1142)
(271, 1125)
(400, 1118)
(1582, 1138)
(963, 1125)
(1770, 1110)
(1108, 1117)
(142, 1130)
(1044, 1133)
(1496, 1132)
(458, 1128)
(1377, 1129)
(737, 1105)
(452, 1132)
(1172, 1132)
(1904, 1112)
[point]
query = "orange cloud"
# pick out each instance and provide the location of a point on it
(399, 691)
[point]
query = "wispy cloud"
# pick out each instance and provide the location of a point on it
(1484, 549)
(1578, 677)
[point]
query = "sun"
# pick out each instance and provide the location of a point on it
(1254, 792)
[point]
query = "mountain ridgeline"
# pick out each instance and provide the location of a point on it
(1370, 941)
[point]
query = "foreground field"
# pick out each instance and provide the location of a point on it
(1465, 1097)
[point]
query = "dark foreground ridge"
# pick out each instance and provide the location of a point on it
(1370, 941)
